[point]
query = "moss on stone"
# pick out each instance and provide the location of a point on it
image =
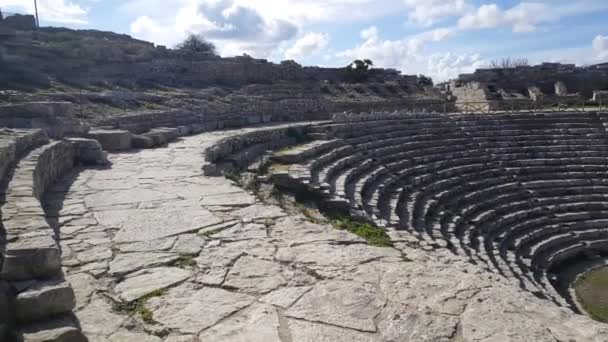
(185, 261)
(138, 307)
(373, 235)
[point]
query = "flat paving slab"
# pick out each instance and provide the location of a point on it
(155, 251)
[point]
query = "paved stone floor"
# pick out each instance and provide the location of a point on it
(200, 259)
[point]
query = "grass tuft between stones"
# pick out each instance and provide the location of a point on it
(592, 293)
(185, 261)
(373, 235)
(233, 175)
(138, 307)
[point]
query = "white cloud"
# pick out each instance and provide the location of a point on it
(235, 28)
(408, 54)
(448, 65)
(428, 12)
(526, 16)
(600, 48)
(307, 45)
(56, 11)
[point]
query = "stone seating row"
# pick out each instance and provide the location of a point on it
(473, 181)
(238, 151)
(39, 300)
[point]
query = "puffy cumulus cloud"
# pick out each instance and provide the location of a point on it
(526, 16)
(307, 45)
(303, 12)
(408, 54)
(522, 18)
(56, 11)
(234, 27)
(600, 48)
(448, 65)
(428, 12)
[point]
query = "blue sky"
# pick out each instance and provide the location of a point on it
(440, 38)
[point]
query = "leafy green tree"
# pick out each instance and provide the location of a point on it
(425, 81)
(358, 69)
(196, 43)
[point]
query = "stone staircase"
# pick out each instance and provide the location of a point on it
(38, 302)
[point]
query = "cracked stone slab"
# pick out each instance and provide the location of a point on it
(221, 253)
(126, 263)
(163, 244)
(127, 336)
(189, 244)
(244, 231)
(345, 304)
(238, 199)
(143, 225)
(403, 323)
(292, 231)
(98, 319)
(84, 286)
(285, 296)
(147, 281)
(336, 254)
(260, 322)
(259, 212)
(253, 275)
(104, 199)
(302, 331)
(189, 309)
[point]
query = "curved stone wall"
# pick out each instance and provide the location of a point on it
(523, 195)
(34, 297)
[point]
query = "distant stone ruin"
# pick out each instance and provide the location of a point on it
(549, 82)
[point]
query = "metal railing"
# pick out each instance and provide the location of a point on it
(529, 106)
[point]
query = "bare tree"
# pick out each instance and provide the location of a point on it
(509, 62)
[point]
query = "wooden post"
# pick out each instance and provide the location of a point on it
(36, 9)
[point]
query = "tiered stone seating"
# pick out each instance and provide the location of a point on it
(40, 300)
(518, 193)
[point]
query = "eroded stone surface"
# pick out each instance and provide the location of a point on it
(346, 304)
(259, 322)
(188, 309)
(235, 269)
(149, 280)
(252, 275)
(286, 296)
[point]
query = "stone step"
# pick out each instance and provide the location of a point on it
(43, 299)
(59, 329)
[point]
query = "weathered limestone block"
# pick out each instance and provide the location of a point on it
(184, 130)
(600, 96)
(561, 89)
(30, 258)
(43, 300)
(140, 141)
(60, 329)
(55, 118)
(88, 151)
(112, 140)
(31, 251)
(158, 138)
(170, 133)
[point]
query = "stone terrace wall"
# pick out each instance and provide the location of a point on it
(240, 114)
(577, 79)
(249, 112)
(55, 118)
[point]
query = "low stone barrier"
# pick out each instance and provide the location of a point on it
(237, 152)
(31, 251)
(55, 118)
(32, 289)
